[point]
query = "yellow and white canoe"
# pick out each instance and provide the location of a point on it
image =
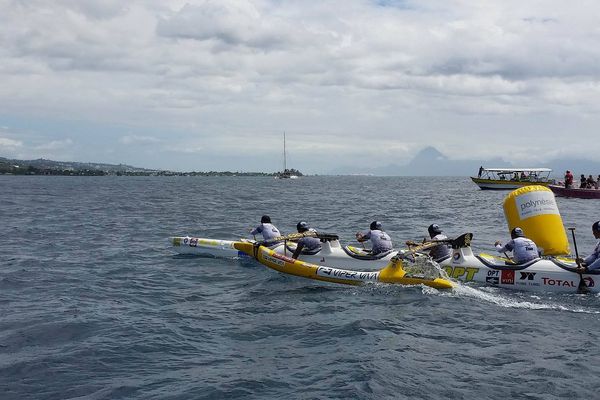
(398, 271)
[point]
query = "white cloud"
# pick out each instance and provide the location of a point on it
(135, 139)
(9, 144)
(205, 75)
(54, 145)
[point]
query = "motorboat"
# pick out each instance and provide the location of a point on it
(511, 178)
(575, 192)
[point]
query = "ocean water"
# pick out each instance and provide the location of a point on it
(95, 305)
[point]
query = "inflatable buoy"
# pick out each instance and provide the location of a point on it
(533, 209)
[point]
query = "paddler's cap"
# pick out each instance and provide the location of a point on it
(375, 225)
(596, 226)
(265, 219)
(302, 226)
(434, 229)
(517, 232)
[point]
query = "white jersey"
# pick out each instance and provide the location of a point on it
(523, 249)
(593, 260)
(380, 241)
(268, 231)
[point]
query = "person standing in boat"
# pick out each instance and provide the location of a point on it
(568, 180)
(442, 250)
(592, 261)
(523, 249)
(309, 245)
(380, 241)
(266, 228)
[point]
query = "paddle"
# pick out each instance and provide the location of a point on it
(298, 235)
(581, 288)
(463, 240)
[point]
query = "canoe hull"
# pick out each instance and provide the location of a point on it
(393, 273)
(331, 253)
(544, 275)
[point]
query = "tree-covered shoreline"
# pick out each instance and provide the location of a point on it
(63, 168)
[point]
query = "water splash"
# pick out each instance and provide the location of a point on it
(512, 300)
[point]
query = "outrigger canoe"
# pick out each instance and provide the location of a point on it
(549, 274)
(332, 253)
(418, 270)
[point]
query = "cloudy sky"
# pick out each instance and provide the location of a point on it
(213, 84)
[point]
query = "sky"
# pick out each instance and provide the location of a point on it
(199, 85)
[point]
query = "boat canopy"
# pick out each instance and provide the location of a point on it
(512, 170)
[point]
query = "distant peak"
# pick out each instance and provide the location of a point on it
(430, 153)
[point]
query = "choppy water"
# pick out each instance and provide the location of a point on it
(93, 304)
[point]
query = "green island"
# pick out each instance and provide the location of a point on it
(66, 168)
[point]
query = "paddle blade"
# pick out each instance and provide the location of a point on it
(582, 287)
(299, 235)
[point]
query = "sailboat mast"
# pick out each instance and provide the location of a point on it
(284, 161)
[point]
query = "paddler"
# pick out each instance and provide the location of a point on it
(523, 249)
(592, 261)
(380, 241)
(441, 251)
(266, 228)
(308, 245)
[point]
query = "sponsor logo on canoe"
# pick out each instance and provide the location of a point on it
(186, 240)
(493, 280)
(507, 277)
(283, 257)
(558, 282)
(527, 279)
(527, 276)
(536, 203)
(463, 273)
(347, 275)
(270, 259)
(589, 282)
(193, 242)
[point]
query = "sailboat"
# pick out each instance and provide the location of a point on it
(286, 174)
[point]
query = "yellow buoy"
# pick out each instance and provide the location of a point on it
(533, 209)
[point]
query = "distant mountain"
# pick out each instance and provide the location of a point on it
(431, 162)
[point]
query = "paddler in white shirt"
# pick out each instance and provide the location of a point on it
(266, 228)
(523, 249)
(592, 261)
(380, 241)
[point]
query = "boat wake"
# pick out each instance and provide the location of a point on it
(510, 300)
